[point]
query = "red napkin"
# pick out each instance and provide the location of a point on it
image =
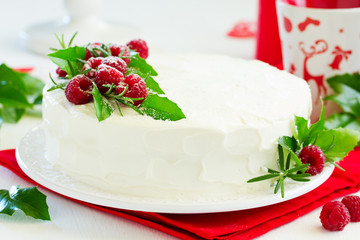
(245, 224)
(268, 47)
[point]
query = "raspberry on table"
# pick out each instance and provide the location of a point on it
(117, 63)
(61, 73)
(352, 203)
(107, 75)
(140, 46)
(116, 49)
(92, 46)
(315, 157)
(92, 64)
(136, 88)
(78, 90)
(334, 216)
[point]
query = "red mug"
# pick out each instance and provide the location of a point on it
(325, 3)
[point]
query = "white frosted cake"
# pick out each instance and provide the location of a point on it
(236, 110)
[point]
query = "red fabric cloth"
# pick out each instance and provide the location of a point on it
(245, 224)
(268, 47)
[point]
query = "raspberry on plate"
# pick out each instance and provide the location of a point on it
(314, 155)
(334, 216)
(117, 63)
(92, 64)
(78, 90)
(116, 49)
(107, 75)
(352, 202)
(136, 88)
(61, 73)
(91, 46)
(140, 46)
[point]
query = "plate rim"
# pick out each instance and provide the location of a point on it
(175, 207)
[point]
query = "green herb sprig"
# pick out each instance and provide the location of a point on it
(155, 105)
(335, 144)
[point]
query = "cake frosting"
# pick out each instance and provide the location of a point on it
(236, 110)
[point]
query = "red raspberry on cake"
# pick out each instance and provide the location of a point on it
(116, 49)
(78, 90)
(334, 216)
(61, 73)
(107, 75)
(140, 46)
(136, 88)
(117, 63)
(352, 203)
(91, 46)
(92, 64)
(315, 157)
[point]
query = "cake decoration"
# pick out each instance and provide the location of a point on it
(112, 76)
(308, 151)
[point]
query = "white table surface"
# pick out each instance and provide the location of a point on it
(184, 31)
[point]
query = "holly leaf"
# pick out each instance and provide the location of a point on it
(336, 143)
(347, 92)
(19, 92)
(29, 200)
(161, 108)
(340, 120)
(316, 128)
(102, 106)
(12, 89)
(67, 59)
(33, 87)
(11, 114)
(302, 127)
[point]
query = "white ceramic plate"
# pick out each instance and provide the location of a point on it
(32, 160)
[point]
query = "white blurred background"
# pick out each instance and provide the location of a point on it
(175, 26)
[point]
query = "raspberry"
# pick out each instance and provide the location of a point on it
(91, 46)
(334, 216)
(92, 63)
(140, 46)
(136, 88)
(117, 63)
(77, 90)
(61, 73)
(107, 75)
(116, 50)
(314, 155)
(352, 203)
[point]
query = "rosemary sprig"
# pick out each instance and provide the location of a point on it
(285, 171)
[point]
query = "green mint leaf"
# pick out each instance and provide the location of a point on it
(29, 200)
(161, 108)
(139, 66)
(316, 128)
(347, 92)
(102, 106)
(153, 86)
(12, 89)
(302, 127)
(67, 59)
(340, 140)
(337, 120)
